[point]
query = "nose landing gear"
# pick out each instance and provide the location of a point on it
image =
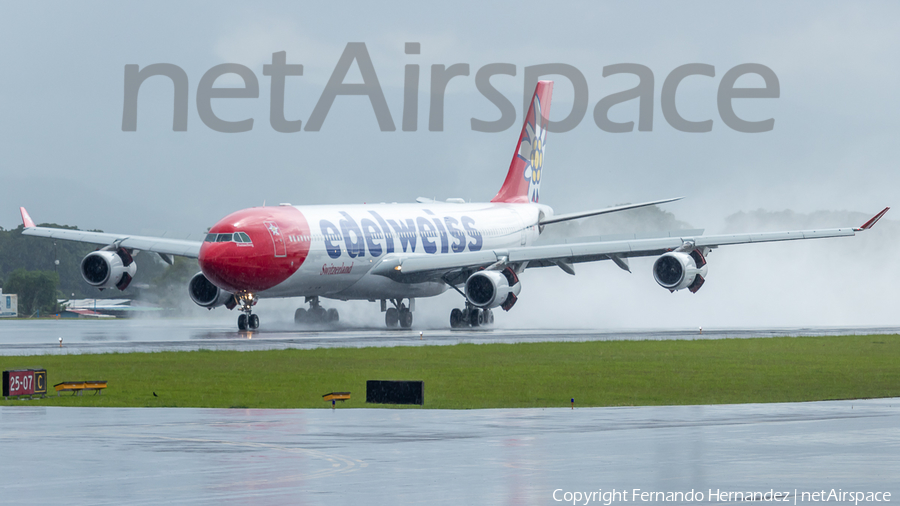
(247, 320)
(316, 313)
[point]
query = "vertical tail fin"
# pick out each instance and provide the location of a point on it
(523, 181)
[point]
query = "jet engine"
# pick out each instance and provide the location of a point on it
(677, 270)
(489, 289)
(107, 269)
(208, 295)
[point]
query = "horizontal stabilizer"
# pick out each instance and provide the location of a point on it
(595, 212)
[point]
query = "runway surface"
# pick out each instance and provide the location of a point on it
(509, 456)
(410, 456)
(35, 337)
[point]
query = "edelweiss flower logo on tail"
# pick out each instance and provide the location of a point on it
(532, 149)
(523, 179)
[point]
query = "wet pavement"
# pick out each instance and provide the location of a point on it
(37, 337)
(56, 455)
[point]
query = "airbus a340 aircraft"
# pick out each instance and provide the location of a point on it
(395, 253)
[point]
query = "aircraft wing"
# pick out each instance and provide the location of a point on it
(159, 245)
(454, 269)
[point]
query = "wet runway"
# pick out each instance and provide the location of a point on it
(517, 456)
(91, 336)
(351, 456)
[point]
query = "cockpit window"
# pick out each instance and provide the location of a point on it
(238, 237)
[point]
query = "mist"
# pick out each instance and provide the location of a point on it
(833, 144)
(848, 281)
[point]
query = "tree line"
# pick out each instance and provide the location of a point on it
(41, 270)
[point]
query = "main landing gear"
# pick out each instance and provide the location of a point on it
(471, 316)
(247, 320)
(316, 313)
(400, 314)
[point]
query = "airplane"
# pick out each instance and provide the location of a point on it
(396, 253)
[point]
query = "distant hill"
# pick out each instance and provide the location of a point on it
(772, 221)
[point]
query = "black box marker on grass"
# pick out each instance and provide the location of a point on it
(395, 392)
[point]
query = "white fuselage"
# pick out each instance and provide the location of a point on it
(346, 241)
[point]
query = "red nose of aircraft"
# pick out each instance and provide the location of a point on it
(255, 249)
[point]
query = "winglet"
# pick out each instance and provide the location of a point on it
(871, 223)
(26, 220)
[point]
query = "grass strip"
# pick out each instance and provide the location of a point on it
(469, 376)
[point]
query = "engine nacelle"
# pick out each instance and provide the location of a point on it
(208, 295)
(489, 289)
(107, 269)
(676, 270)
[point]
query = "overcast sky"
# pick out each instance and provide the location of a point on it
(64, 156)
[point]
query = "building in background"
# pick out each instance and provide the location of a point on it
(9, 305)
